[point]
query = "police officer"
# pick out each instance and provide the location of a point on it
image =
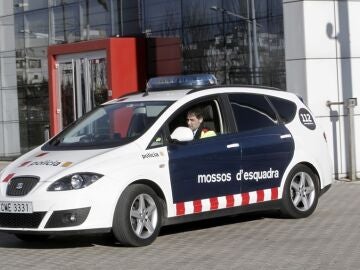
(195, 121)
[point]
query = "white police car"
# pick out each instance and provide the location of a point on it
(131, 165)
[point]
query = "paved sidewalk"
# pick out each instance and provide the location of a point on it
(329, 239)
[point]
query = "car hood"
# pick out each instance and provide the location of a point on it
(46, 164)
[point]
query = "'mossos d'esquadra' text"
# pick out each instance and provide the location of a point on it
(239, 176)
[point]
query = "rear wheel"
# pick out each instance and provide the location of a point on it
(137, 218)
(301, 193)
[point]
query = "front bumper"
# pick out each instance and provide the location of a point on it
(63, 211)
(58, 219)
(60, 233)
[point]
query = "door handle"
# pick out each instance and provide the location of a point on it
(233, 145)
(285, 136)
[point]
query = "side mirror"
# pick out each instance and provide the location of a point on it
(182, 134)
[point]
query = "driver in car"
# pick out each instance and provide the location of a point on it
(195, 121)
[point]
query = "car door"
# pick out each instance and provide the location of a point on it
(267, 145)
(205, 168)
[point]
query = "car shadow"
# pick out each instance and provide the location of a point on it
(57, 242)
(216, 222)
(67, 242)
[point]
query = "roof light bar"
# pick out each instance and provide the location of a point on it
(181, 82)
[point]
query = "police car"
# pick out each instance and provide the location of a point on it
(132, 165)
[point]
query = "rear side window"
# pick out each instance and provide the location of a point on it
(285, 108)
(252, 112)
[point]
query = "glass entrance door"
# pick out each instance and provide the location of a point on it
(66, 99)
(82, 85)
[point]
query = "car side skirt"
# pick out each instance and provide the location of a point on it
(264, 206)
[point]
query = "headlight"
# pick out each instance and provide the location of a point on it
(74, 181)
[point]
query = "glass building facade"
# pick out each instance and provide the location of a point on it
(240, 41)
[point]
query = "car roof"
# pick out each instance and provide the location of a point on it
(170, 95)
(176, 94)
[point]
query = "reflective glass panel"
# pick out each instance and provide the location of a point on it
(33, 114)
(36, 28)
(18, 5)
(62, 2)
(96, 18)
(67, 93)
(66, 24)
(98, 82)
(20, 67)
(36, 65)
(126, 19)
(233, 39)
(200, 12)
(161, 15)
(32, 5)
(19, 32)
(32, 134)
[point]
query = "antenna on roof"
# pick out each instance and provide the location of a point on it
(146, 90)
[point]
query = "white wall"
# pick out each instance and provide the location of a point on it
(322, 51)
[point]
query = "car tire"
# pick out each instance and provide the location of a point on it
(138, 216)
(32, 237)
(301, 193)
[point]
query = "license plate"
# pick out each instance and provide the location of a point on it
(16, 207)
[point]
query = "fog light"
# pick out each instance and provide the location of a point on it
(69, 218)
(72, 218)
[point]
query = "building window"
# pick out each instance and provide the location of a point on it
(213, 41)
(219, 37)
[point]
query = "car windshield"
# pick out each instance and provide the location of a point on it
(109, 126)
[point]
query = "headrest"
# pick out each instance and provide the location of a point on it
(208, 113)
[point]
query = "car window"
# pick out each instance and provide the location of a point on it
(285, 108)
(252, 112)
(110, 125)
(158, 140)
(211, 114)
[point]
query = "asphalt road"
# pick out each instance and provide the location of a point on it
(329, 239)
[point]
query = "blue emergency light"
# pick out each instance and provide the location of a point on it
(181, 82)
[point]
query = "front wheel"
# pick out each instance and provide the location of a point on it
(301, 193)
(137, 218)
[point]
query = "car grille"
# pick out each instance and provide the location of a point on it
(10, 220)
(20, 186)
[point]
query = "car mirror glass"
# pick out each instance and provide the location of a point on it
(182, 134)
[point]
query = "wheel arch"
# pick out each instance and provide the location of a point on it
(288, 208)
(313, 169)
(156, 188)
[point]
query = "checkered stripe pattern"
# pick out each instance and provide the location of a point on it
(215, 203)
